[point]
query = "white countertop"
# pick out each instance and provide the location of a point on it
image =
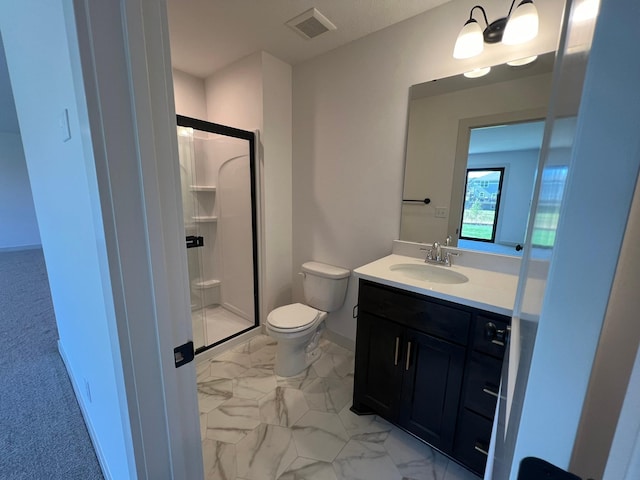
(487, 290)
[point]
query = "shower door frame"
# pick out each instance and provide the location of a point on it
(225, 130)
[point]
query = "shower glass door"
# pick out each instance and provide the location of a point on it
(217, 172)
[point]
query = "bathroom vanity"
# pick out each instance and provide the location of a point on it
(429, 364)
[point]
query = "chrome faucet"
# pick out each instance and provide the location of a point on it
(438, 251)
(434, 255)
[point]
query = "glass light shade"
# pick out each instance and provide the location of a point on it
(470, 41)
(477, 72)
(522, 25)
(522, 61)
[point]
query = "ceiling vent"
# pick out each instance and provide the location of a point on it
(311, 23)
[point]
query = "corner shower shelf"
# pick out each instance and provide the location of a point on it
(202, 188)
(204, 284)
(205, 219)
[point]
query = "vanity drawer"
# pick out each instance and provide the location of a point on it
(472, 441)
(482, 383)
(490, 334)
(435, 317)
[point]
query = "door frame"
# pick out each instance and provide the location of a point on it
(124, 65)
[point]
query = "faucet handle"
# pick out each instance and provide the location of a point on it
(447, 257)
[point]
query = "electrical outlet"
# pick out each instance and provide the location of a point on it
(441, 212)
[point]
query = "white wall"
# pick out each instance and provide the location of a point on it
(17, 214)
(19, 227)
(189, 95)
(350, 118)
(65, 195)
(277, 179)
(234, 94)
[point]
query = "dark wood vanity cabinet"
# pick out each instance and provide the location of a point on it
(429, 366)
(480, 390)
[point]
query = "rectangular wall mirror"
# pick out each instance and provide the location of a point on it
(471, 156)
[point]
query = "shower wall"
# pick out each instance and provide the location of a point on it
(216, 190)
(235, 235)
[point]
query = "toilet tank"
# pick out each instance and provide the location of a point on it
(325, 286)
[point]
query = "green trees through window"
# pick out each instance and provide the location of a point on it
(481, 204)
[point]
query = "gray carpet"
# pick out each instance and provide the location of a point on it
(42, 433)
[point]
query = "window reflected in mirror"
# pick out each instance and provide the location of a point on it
(481, 204)
(501, 168)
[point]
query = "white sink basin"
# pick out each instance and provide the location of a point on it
(429, 273)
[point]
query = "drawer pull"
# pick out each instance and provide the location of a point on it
(490, 392)
(397, 350)
(479, 448)
(495, 335)
(408, 355)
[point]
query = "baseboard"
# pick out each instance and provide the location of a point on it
(20, 248)
(94, 440)
(338, 339)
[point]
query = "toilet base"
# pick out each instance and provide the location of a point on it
(293, 355)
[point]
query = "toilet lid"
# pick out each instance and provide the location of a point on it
(295, 315)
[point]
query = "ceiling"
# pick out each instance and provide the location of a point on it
(521, 136)
(206, 35)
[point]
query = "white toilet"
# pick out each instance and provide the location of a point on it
(297, 327)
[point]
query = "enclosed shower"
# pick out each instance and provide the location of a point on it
(218, 182)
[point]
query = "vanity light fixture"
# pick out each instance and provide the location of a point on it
(520, 62)
(519, 26)
(477, 72)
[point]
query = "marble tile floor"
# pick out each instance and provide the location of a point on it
(256, 425)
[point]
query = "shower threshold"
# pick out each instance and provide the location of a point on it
(220, 323)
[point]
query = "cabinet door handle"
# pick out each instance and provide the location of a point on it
(408, 355)
(494, 335)
(397, 350)
(477, 447)
(490, 392)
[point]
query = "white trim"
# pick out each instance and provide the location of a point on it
(104, 466)
(126, 72)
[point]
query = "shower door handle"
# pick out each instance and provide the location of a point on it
(193, 241)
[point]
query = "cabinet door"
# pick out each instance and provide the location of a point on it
(432, 380)
(378, 358)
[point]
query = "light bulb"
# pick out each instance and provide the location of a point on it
(522, 25)
(470, 41)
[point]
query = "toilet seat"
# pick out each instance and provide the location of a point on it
(292, 318)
